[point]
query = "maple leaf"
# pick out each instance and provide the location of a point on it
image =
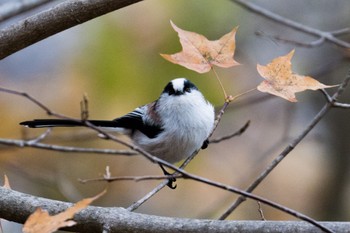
(200, 54)
(282, 82)
(41, 222)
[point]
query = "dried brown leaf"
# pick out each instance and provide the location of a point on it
(200, 54)
(41, 222)
(282, 82)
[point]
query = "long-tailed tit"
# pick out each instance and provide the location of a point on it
(171, 128)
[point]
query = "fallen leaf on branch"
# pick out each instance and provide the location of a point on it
(41, 222)
(200, 54)
(282, 82)
(6, 182)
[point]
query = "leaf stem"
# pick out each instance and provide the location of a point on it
(222, 86)
(232, 98)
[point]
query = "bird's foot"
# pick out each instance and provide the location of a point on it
(171, 179)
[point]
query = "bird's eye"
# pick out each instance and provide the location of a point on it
(187, 89)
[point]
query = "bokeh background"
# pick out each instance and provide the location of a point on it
(115, 61)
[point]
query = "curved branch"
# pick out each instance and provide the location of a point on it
(56, 19)
(16, 206)
(328, 36)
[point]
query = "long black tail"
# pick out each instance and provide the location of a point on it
(43, 123)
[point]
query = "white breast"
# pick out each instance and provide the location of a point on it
(188, 120)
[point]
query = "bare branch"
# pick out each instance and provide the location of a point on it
(340, 32)
(49, 22)
(129, 178)
(238, 133)
(311, 44)
(148, 196)
(327, 36)
(16, 206)
(70, 149)
(289, 148)
(336, 104)
(261, 212)
(40, 138)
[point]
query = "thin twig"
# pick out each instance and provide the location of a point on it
(40, 138)
(327, 36)
(70, 149)
(289, 148)
(275, 205)
(311, 44)
(340, 32)
(237, 133)
(261, 212)
(336, 104)
(148, 196)
(129, 178)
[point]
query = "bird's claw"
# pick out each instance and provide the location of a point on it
(171, 179)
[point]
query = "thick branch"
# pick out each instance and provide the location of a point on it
(59, 18)
(16, 206)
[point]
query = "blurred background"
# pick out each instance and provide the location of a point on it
(115, 61)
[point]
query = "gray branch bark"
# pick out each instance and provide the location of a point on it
(16, 206)
(59, 18)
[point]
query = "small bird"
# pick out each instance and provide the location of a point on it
(170, 128)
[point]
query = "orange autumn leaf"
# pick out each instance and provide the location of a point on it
(282, 82)
(41, 222)
(200, 54)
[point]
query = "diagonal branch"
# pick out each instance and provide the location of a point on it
(289, 148)
(54, 20)
(327, 36)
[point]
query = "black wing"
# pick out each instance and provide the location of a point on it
(135, 121)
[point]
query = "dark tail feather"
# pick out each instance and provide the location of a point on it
(44, 123)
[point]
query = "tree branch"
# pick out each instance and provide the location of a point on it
(16, 206)
(327, 36)
(56, 19)
(289, 148)
(70, 149)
